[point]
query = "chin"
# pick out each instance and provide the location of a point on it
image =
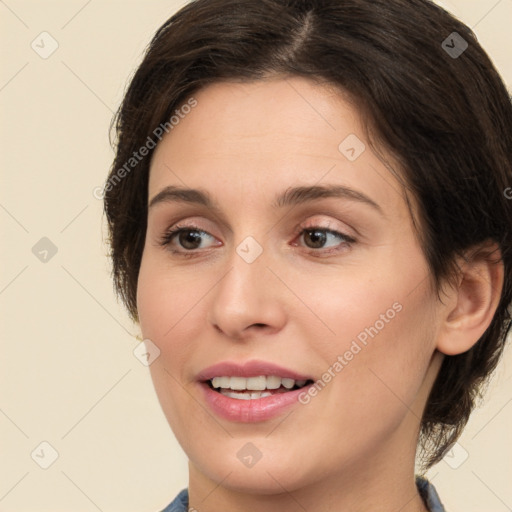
(270, 475)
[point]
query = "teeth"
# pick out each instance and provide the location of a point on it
(288, 383)
(254, 383)
(220, 382)
(273, 382)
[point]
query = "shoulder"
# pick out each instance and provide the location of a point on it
(429, 494)
(179, 504)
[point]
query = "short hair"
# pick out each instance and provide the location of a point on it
(427, 93)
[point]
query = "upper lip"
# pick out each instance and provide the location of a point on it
(253, 368)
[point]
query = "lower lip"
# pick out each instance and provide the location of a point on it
(250, 411)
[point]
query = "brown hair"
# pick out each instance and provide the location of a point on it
(441, 110)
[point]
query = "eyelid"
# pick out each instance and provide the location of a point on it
(175, 229)
(329, 226)
(347, 240)
(311, 223)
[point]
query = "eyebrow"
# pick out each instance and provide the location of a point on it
(290, 197)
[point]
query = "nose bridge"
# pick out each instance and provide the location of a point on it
(245, 296)
(242, 287)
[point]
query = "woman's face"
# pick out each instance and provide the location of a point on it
(258, 276)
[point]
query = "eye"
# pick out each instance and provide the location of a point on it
(190, 238)
(316, 237)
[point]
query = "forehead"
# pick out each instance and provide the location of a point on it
(253, 140)
(261, 116)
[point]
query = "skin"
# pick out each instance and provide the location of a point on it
(352, 447)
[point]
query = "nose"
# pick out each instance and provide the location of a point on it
(248, 300)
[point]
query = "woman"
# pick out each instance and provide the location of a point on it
(309, 220)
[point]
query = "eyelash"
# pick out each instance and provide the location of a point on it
(173, 232)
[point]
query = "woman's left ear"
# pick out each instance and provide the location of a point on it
(473, 303)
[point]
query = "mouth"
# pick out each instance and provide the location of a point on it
(251, 391)
(254, 388)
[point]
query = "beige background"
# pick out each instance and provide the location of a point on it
(68, 373)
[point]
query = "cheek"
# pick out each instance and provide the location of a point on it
(385, 346)
(162, 297)
(377, 306)
(166, 315)
(173, 313)
(381, 336)
(155, 302)
(151, 301)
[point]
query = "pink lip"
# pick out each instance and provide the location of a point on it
(250, 411)
(253, 368)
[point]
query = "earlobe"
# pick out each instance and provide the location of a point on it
(476, 299)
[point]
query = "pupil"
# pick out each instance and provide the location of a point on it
(192, 237)
(318, 236)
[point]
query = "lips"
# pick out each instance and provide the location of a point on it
(255, 406)
(254, 368)
(250, 411)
